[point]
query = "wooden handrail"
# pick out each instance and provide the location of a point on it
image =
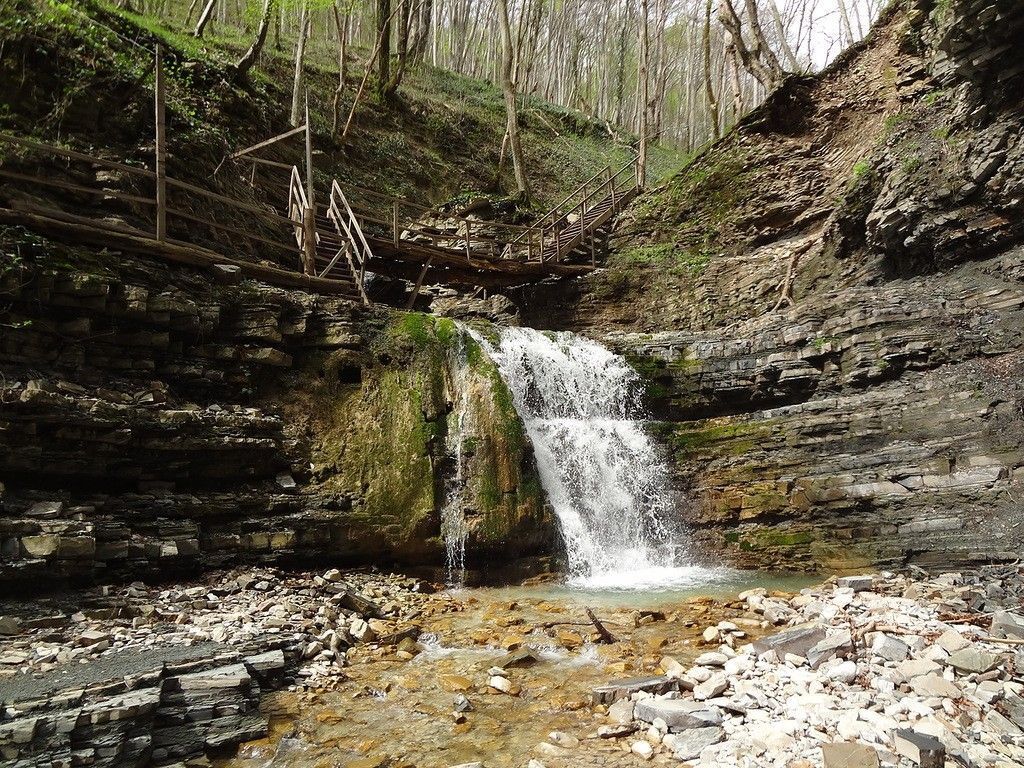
(76, 155)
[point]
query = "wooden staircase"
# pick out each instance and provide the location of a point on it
(581, 236)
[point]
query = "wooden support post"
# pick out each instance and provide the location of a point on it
(309, 241)
(394, 220)
(161, 149)
(593, 253)
(419, 283)
(309, 159)
(466, 222)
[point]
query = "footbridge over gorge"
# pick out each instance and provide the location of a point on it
(330, 240)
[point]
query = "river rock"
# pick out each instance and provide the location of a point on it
(678, 714)
(711, 659)
(619, 689)
(1008, 625)
(690, 743)
(856, 583)
(923, 750)
(799, 640)
(972, 660)
(889, 648)
(951, 641)
(848, 755)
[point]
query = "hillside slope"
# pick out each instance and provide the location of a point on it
(829, 305)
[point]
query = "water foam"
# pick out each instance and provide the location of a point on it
(603, 476)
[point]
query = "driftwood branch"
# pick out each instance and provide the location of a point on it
(606, 636)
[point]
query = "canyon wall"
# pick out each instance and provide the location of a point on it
(154, 421)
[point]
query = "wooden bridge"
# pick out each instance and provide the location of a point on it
(334, 243)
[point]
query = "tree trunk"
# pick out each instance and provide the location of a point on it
(424, 21)
(204, 18)
(244, 64)
(709, 88)
(642, 75)
(341, 22)
(404, 21)
(384, 47)
(758, 59)
(509, 87)
(300, 53)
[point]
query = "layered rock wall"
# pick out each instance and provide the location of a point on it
(153, 420)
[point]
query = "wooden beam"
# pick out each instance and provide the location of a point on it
(82, 230)
(419, 282)
(267, 143)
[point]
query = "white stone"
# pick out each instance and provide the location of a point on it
(643, 749)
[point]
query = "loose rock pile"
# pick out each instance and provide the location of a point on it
(888, 670)
(176, 672)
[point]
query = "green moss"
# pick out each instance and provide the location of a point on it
(720, 439)
(770, 538)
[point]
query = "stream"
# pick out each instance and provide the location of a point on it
(624, 557)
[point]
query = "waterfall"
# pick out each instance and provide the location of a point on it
(602, 474)
(454, 530)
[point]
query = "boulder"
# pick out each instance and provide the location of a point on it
(1007, 624)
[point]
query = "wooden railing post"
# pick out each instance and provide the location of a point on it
(309, 241)
(161, 148)
(394, 221)
(466, 222)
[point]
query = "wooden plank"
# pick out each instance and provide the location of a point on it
(77, 187)
(267, 142)
(82, 230)
(240, 204)
(419, 283)
(174, 212)
(70, 153)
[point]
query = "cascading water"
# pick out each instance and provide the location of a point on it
(454, 530)
(602, 474)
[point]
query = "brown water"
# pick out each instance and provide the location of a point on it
(392, 713)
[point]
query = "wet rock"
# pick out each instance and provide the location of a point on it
(620, 689)
(519, 659)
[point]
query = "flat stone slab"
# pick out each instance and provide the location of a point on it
(857, 584)
(973, 660)
(622, 689)
(848, 755)
(678, 714)
(799, 640)
(689, 744)
(105, 669)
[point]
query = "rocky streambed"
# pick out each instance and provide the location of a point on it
(262, 667)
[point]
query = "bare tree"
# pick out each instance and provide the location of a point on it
(757, 57)
(244, 64)
(204, 18)
(508, 86)
(300, 55)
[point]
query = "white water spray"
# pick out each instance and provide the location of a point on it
(600, 470)
(454, 530)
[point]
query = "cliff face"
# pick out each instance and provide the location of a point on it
(155, 421)
(827, 305)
